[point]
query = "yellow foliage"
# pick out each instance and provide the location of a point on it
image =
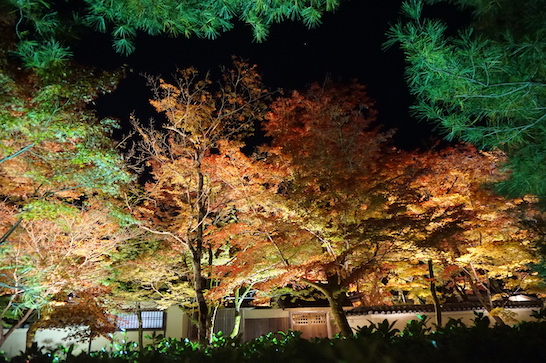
(505, 314)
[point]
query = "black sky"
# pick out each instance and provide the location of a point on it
(346, 46)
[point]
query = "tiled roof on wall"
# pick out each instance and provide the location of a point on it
(429, 308)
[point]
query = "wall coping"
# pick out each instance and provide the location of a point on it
(429, 308)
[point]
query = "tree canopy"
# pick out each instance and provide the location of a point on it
(325, 200)
(354, 215)
(201, 182)
(484, 84)
(61, 179)
(43, 26)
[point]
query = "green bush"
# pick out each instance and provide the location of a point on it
(377, 343)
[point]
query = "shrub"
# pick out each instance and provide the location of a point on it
(377, 343)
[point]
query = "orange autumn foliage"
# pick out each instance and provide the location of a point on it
(203, 189)
(352, 207)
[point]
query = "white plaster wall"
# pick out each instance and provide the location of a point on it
(15, 343)
(402, 319)
(177, 326)
(177, 323)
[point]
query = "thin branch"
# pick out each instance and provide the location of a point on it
(17, 153)
(178, 239)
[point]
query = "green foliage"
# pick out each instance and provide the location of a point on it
(539, 314)
(453, 343)
(485, 85)
(43, 209)
(48, 137)
(385, 329)
(57, 162)
(43, 24)
(415, 328)
(42, 55)
(23, 281)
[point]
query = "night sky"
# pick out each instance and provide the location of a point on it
(346, 46)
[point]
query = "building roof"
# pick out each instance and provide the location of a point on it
(429, 308)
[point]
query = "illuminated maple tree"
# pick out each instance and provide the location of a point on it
(252, 267)
(58, 264)
(346, 193)
(489, 241)
(359, 213)
(201, 182)
(149, 270)
(55, 157)
(53, 150)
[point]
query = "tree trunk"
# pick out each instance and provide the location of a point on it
(459, 290)
(437, 307)
(336, 308)
(5, 336)
(140, 329)
(31, 334)
(334, 294)
(486, 303)
(239, 299)
(236, 324)
(212, 320)
(197, 254)
(237, 318)
(202, 306)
